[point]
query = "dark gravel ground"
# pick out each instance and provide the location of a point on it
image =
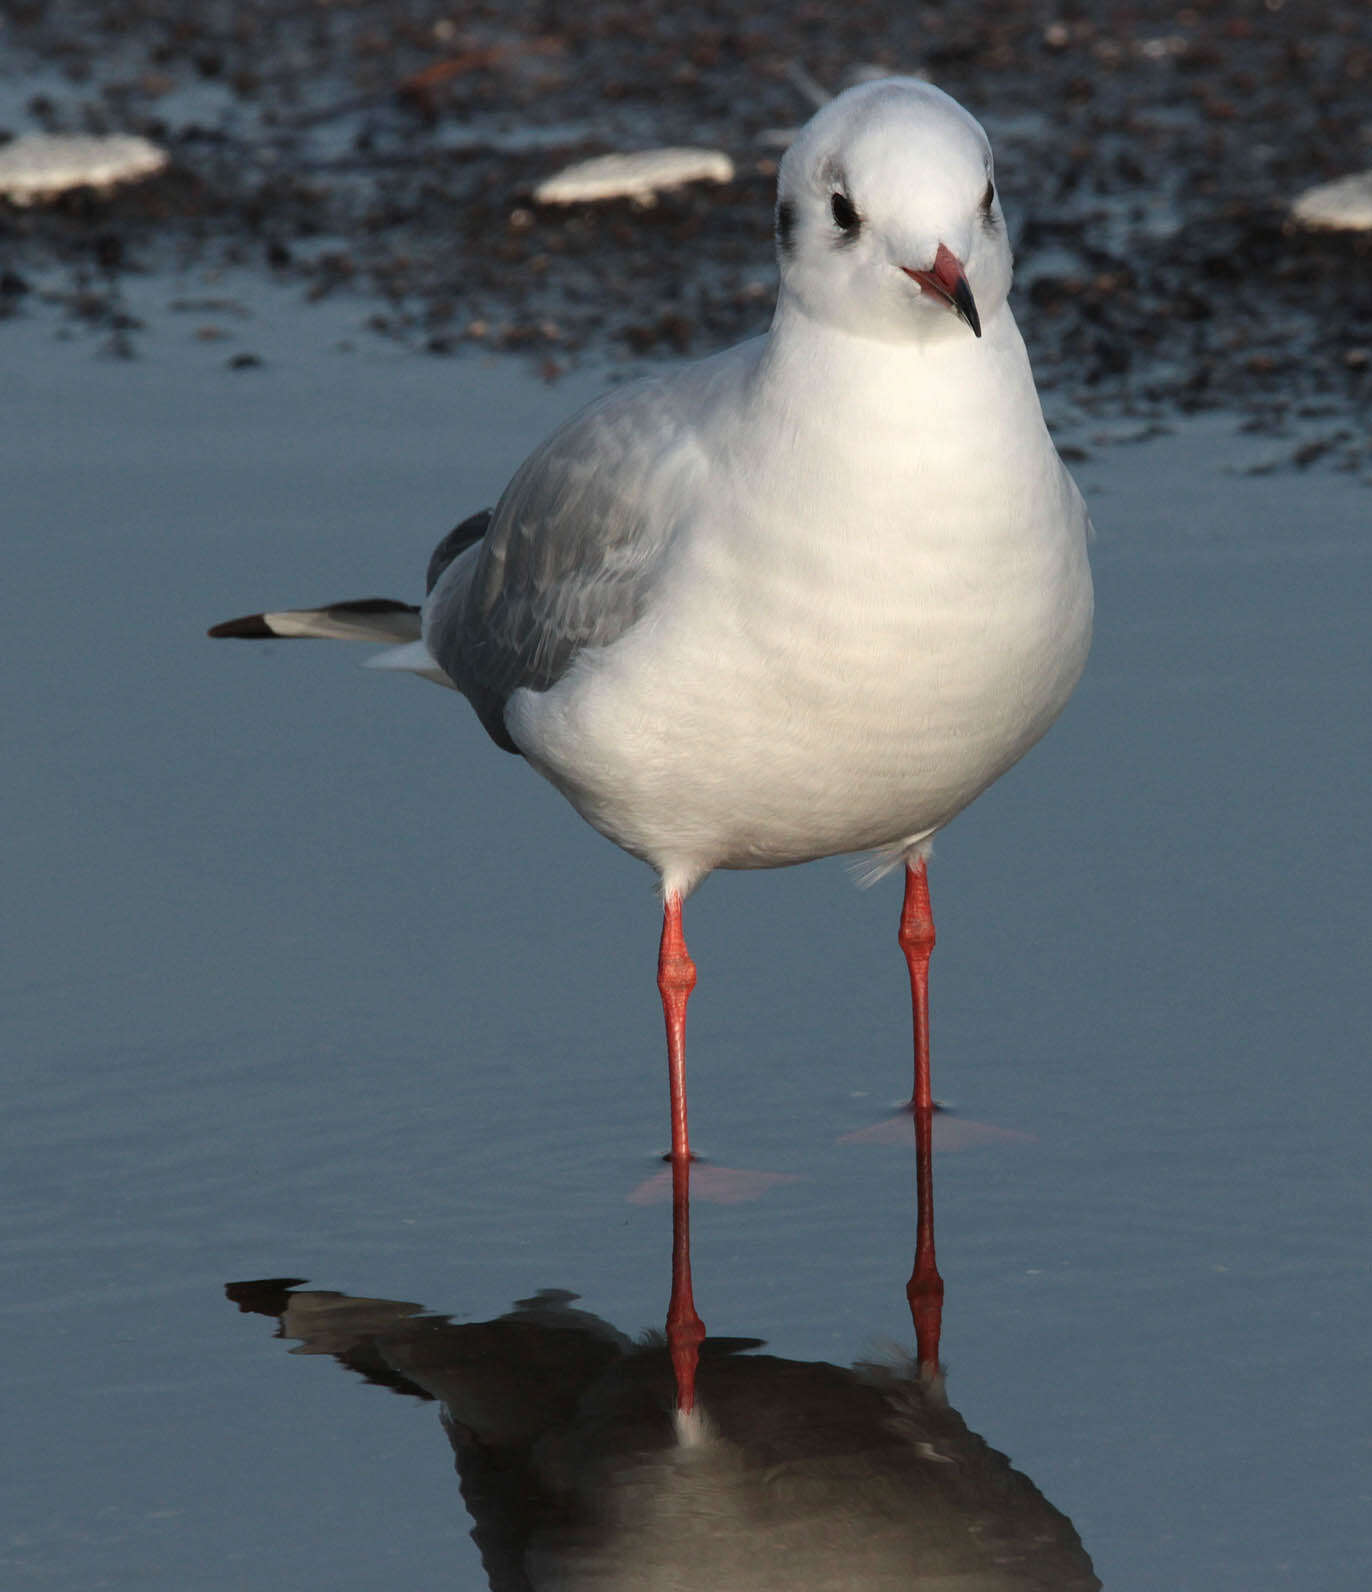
(386, 148)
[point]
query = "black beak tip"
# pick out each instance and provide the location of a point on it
(966, 306)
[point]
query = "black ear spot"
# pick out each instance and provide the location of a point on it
(846, 218)
(786, 226)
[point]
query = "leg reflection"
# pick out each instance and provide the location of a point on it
(925, 1288)
(685, 1329)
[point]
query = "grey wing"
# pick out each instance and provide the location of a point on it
(572, 551)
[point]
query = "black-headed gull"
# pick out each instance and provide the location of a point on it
(809, 596)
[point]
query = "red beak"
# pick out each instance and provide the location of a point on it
(949, 282)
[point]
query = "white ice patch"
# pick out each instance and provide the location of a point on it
(1345, 204)
(42, 165)
(639, 175)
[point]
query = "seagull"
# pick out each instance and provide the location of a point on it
(804, 598)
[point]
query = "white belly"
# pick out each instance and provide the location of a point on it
(785, 702)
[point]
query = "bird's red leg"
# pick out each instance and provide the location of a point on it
(925, 1288)
(676, 978)
(917, 941)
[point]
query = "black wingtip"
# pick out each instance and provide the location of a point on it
(251, 627)
(458, 540)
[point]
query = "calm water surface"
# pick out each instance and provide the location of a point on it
(306, 980)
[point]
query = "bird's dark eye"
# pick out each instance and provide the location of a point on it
(846, 219)
(989, 197)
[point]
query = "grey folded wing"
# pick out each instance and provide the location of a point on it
(573, 550)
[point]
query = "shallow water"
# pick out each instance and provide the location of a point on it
(307, 980)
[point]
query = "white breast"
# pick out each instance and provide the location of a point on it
(838, 659)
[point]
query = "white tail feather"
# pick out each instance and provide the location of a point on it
(412, 659)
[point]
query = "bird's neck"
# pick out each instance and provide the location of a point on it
(949, 381)
(860, 423)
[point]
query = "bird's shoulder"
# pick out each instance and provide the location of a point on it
(611, 482)
(574, 544)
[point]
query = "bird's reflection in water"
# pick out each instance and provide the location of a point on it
(580, 1472)
(805, 1475)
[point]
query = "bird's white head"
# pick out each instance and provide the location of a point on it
(888, 221)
